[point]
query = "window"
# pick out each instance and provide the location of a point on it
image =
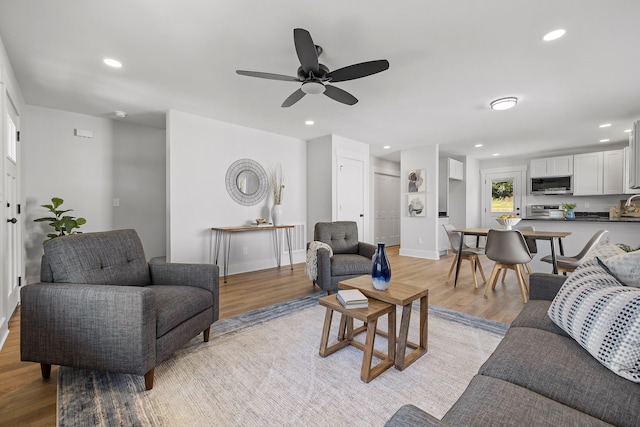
(502, 196)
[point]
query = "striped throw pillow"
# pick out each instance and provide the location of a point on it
(603, 316)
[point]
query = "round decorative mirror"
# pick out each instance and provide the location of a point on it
(247, 182)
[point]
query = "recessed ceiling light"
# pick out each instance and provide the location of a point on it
(504, 103)
(113, 63)
(478, 145)
(554, 35)
(605, 125)
(627, 130)
(605, 140)
(386, 147)
(496, 154)
(309, 122)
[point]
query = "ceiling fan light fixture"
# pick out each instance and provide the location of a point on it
(504, 103)
(313, 88)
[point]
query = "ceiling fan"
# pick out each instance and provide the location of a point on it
(315, 77)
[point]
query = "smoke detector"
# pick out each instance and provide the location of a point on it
(120, 114)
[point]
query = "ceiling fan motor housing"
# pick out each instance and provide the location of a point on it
(323, 70)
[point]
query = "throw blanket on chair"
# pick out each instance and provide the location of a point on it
(311, 267)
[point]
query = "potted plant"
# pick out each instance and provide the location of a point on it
(63, 224)
(569, 207)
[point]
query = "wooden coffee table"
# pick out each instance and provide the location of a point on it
(403, 295)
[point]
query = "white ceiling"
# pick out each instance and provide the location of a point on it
(448, 60)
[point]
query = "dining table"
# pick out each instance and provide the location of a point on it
(551, 236)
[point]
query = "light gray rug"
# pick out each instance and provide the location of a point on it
(263, 369)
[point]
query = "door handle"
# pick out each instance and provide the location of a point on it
(361, 215)
(12, 220)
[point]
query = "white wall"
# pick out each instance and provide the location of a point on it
(424, 229)
(200, 150)
(86, 172)
(319, 182)
(473, 185)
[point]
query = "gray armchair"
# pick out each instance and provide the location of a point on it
(101, 306)
(351, 258)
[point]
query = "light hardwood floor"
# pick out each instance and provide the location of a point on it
(27, 399)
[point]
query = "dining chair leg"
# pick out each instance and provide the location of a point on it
(479, 264)
(504, 274)
(493, 278)
(472, 264)
(529, 268)
(453, 264)
(520, 276)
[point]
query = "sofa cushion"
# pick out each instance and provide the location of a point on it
(489, 401)
(559, 368)
(625, 267)
(603, 316)
(176, 304)
(534, 315)
(350, 264)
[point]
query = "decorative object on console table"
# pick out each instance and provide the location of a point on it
(569, 213)
(381, 271)
(277, 187)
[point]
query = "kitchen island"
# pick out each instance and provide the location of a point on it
(624, 230)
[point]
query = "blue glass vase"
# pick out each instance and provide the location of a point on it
(570, 214)
(381, 271)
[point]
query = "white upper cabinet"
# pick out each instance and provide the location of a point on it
(456, 169)
(552, 166)
(598, 173)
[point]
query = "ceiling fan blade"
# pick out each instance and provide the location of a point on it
(306, 50)
(357, 71)
(340, 95)
(269, 76)
(293, 98)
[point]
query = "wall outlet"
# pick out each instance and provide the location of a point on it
(419, 240)
(586, 205)
(245, 250)
(116, 202)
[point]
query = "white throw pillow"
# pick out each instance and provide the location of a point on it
(625, 267)
(603, 316)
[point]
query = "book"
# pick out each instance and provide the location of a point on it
(352, 298)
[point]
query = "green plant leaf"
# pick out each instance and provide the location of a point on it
(57, 201)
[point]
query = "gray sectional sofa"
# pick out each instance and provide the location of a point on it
(538, 375)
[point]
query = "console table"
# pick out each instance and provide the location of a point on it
(222, 235)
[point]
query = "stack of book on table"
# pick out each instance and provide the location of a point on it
(352, 298)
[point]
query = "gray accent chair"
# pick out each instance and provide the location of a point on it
(351, 258)
(100, 305)
(567, 264)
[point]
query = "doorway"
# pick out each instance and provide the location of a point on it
(386, 201)
(351, 192)
(502, 194)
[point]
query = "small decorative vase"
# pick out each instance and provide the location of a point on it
(276, 214)
(381, 270)
(570, 214)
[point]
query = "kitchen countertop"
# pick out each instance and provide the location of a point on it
(586, 219)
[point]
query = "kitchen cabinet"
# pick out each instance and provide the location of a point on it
(456, 170)
(598, 173)
(551, 166)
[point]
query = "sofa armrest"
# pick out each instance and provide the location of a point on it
(367, 249)
(544, 286)
(205, 276)
(410, 415)
(101, 327)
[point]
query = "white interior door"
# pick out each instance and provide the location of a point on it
(502, 195)
(351, 192)
(387, 209)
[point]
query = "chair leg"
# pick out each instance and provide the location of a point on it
(480, 268)
(529, 268)
(520, 276)
(453, 264)
(148, 379)
(45, 368)
(206, 333)
(504, 274)
(493, 278)
(472, 263)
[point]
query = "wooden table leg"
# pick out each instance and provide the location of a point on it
(402, 358)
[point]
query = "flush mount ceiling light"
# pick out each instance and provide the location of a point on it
(554, 35)
(504, 103)
(113, 63)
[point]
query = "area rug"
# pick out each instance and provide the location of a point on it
(263, 369)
